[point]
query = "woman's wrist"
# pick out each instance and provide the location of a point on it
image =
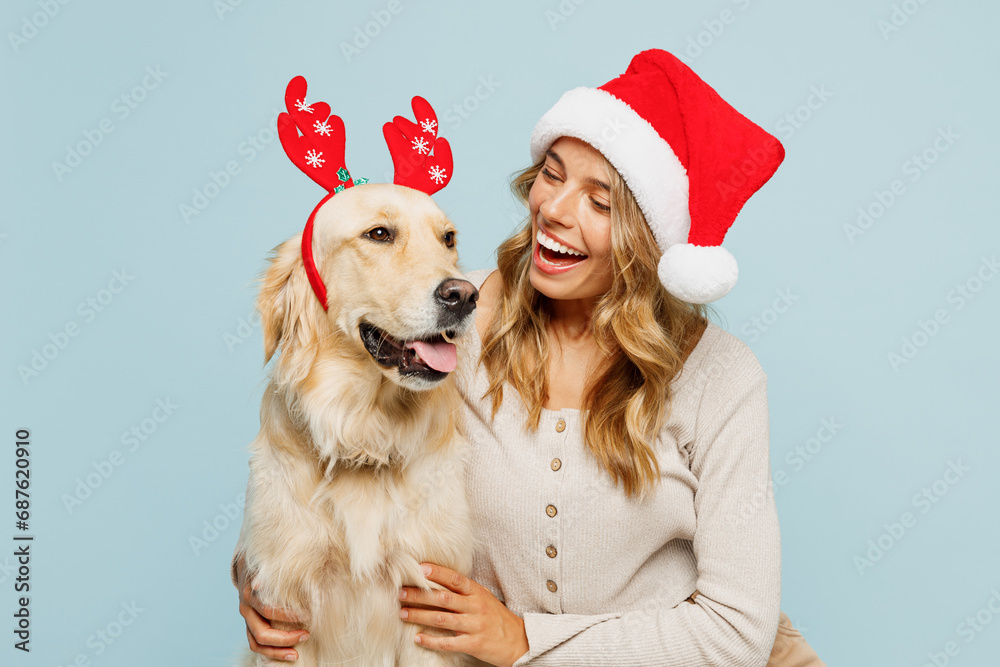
(521, 641)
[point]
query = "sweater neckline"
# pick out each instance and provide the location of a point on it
(691, 364)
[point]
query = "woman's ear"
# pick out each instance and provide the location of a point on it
(284, 309)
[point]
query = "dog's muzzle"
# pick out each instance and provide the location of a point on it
(432, 358)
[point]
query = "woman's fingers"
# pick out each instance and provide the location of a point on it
(270, 651)
(249, 597)
(263, 638)
(279, 613)
(265, 635)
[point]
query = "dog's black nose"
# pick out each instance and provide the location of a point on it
(458, 296)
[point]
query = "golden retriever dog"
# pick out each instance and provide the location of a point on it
(358, 472)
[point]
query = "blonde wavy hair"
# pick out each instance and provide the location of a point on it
(644, 332)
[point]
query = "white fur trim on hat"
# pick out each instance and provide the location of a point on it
(697, 274)
(653, 172)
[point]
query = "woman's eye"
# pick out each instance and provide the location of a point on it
(379, 234)
(601, 207)
(549, 174)
(449, 239)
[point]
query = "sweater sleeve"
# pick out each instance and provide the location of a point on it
(737, 546)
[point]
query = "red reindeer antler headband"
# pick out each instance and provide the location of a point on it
(314, 140)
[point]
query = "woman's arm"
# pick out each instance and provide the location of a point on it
(263, 639)
(737, 545)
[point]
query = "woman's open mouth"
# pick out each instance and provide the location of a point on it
(550, 256)
(432, 357)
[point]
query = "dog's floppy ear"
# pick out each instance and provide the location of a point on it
(287, 308)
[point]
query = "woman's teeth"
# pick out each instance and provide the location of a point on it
(552, 244)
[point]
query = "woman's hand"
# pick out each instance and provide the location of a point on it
(486, 629)
(264, 639)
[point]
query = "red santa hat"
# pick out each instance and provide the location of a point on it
(690, 159)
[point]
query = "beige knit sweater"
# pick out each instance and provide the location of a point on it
(600, 579)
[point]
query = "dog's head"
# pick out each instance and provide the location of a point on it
(395, 295)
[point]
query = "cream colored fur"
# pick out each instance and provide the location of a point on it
(322, 532)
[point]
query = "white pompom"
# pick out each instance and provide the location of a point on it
(697, 274)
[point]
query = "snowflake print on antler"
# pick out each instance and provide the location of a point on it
(412, 149)
(315, 159)
(314, 140)
(322, 127)
(312, 137)
(437, 174)
(421, 146)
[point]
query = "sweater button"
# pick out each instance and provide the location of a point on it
(550, 551)
(551, 510)
(552, 585)
(561, 425)
(556, 464)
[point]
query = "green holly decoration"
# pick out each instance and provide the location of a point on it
(338, 189)
(359, 181)
(344, 175)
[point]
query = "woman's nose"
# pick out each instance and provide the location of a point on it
(556, 209)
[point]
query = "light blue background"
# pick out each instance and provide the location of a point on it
(164, 336)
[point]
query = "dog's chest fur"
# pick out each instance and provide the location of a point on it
(318, 529)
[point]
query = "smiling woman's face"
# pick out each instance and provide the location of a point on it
(570, 204)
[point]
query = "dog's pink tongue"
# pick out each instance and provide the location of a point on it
(439, 356)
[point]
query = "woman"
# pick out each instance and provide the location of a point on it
(625, 470)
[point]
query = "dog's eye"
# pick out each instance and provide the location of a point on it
(449, 239)
(379, 234)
